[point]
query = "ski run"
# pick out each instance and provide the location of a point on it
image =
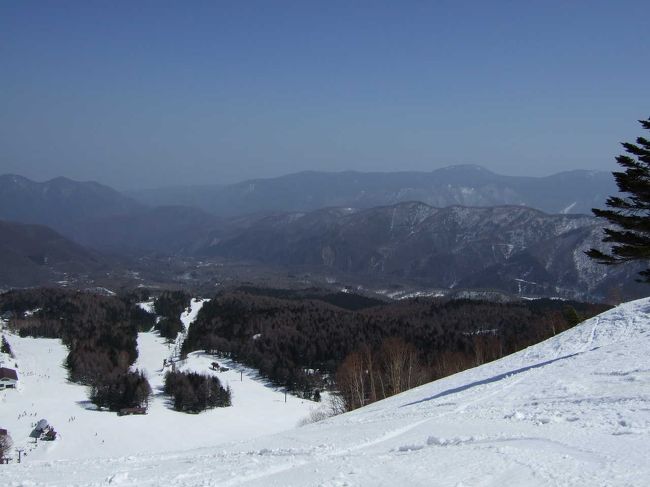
(571, 411)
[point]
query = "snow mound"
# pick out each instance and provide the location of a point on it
(571, 411)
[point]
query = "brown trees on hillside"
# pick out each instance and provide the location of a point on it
(366, 376)
(5, 445)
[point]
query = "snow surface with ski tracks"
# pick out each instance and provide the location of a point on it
(44, 392)
(573, 410)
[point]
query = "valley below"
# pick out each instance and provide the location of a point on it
(464, 228)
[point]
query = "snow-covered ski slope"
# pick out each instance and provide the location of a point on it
(574, 410)
(44, 392)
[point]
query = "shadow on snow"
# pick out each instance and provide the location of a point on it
(496, 378)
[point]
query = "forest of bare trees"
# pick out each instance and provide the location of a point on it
(366, 376)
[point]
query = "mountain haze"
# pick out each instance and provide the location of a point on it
(34, 254)
(456, 231)
(60, 203)
(172, 230)
(567, 192)
(100, 217)
(510, 247)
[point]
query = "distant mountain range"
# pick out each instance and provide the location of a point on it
(60, 203)
(567, 192)
(34, 254)
(174, 220)
(511, 248)
(101, 217)
(487, 238)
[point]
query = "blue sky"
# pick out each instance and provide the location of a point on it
(145, 94)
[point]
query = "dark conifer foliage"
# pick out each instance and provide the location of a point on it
(169, 327)
(99, 331)
(299, 343)
(121, 390)
(346, 300)
(144, 320)
(192, 392)
(169, 305)
(172, 303)
(5, 347)
(629, 214)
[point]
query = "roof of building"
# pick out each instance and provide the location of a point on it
(6, 373)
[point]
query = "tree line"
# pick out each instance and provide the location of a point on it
(100, 333)
(308, 344)
(169, 306)
(367, 349)
(192, 392)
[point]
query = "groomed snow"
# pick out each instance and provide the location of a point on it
(44, 392)
(574, 411)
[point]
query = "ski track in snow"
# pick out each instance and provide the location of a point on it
(44, 392)
(571, 411)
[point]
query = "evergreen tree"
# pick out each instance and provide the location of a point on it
(192, 392)
(629, 214)
(5, 347)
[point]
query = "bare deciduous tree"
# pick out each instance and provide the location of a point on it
(351, 378)
(5, 445)
(399, 362)
(366, 376)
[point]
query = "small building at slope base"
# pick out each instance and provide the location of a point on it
(8, 378)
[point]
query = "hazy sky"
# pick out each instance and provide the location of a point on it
(145, 94)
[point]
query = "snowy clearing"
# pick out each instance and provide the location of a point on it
(574, 411)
